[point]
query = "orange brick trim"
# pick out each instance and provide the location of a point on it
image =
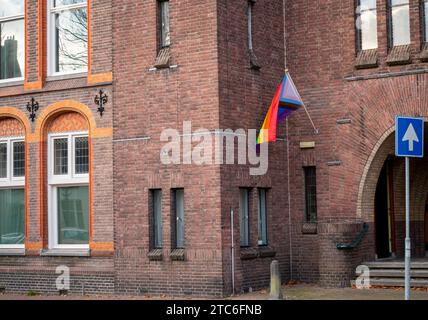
(100, 78)
(37, 85)
(102, 246)
(33, 246)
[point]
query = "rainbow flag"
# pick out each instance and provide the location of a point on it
(285, 101)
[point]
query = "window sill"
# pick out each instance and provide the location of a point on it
(155, 255)
(249, 253)
(309, 228)
(366, 59)
(266, 252)
(399, 55)
(12, 251)
(424, 53)
(65, 253)
(11, 83)
(177, 255)
(57, 77)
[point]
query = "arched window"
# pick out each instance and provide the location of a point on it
(68, 182)
(12, 184)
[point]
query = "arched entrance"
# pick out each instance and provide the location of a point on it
(382, 200)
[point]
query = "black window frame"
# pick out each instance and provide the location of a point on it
(153, 230)
(160, 32)
(174, 226)
(358, 31)
(390, 27)
(310, 172)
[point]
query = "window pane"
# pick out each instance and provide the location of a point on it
(165, 35)
(12, 49)
(179, 215)
(11, 8)
(400, 24)
(61, 156)
(368, 29)
(398, 2)
(3, 160)
(58, 3)
(71, 40)
(426, 20)
(243, 217)
(81, 155)
(157, 218)
(19, 159)
(12, 216)
(262, 217)
(310, 194)
(367, 4)
(73, 215)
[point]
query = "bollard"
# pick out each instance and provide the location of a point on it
(275, 282)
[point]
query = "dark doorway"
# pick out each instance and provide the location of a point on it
(384, 220)
(426, 227)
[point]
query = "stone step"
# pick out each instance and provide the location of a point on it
(395, 265)
(392, 282)
(397, 273)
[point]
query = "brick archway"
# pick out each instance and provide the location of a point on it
(384, 151)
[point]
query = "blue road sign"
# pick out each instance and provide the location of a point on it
(409, 137)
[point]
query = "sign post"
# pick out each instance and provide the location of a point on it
(409, 142)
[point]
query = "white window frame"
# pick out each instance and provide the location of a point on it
(11, 182)
(57, 181)
(51, 56)
(11, 19)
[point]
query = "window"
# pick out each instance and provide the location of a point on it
(12, 194)
(262, 218)
(244, 216)
(253, 58)
(164, 35)
(68, 180)
(12, 36)
(366, 25)
(157, 230)
(399, 22)
(424, 11)
(310, 194)
(178, 219)
(67, 36)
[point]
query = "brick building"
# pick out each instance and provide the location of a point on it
(85, 188)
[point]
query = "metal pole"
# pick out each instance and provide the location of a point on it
(233, 252)
(407, 244)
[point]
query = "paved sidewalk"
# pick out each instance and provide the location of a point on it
(291, 292)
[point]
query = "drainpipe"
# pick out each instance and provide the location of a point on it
(233, 252)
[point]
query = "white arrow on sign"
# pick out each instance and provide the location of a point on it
(410, 136)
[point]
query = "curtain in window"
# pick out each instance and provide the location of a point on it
(243, 217)
(179, 214)
(73, 215)
(12, 216)
(157, 218)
